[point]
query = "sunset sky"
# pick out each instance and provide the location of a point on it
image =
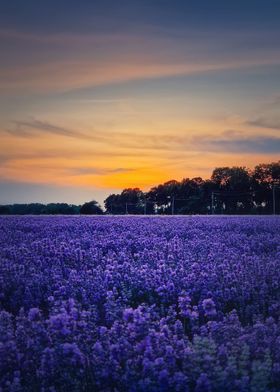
(100, 95)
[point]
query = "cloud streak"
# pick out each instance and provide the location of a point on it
(36, 127)
(67, 61)
(71, 75)
(97, 171)
(262, 122)
(238, 143)
(124, 142)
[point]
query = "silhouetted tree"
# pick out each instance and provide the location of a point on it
(4, 210)
(264, 176)
(192, 194)
(162, 196)
(42, 209)
(129, 201)
(91, 208)
(234, 188)
(60, 208)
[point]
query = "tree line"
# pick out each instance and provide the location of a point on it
(230, 190)
(89, 208)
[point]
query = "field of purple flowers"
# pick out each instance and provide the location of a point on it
(140, 304)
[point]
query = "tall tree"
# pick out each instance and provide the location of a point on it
(234, 189)
(264, 177)
(164, 195)
(129, 201)
(91, 208)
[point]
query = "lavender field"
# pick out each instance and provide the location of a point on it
(140, 304)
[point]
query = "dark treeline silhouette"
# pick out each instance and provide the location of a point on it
(51, 209)
(91, 208)
(230, 190)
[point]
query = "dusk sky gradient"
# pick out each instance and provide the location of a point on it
(96, 96)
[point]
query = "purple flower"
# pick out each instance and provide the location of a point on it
(209, 307)
(34, 314)
(128, 315)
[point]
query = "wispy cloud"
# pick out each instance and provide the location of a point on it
(59, 38)
(71, 75)
(35, 127)
(124, 142)
(75, 154)
(77, 61)
(236, 142)
(262, 122)
(97, 171)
